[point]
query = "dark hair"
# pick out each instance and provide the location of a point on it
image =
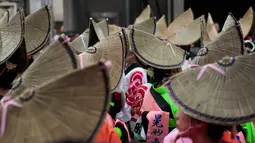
(161, 74)
(19, 58)
(215, 132)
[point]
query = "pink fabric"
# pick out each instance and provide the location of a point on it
(158, 126)
(108, 119)
(149, 103)
(172, 136)
(242, 139)
(124, 125)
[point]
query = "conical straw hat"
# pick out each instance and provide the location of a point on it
(11, 36)
(80, 44)
(113, 29)
(38, 28)
(155, 51)
(212, 97)
(70, 107)
(98, 31)
(184, 19)
(103, 25)
(146, 13)
(246, 21)
(161, 27)
(187, 34)
(111, 48)
(148, 25)
(205, 39)
(230, 21)
(211, 30)
(5, 19)
(55, 60)
(228, 43)
(101, 28)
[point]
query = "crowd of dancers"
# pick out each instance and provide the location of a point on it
(143, 83)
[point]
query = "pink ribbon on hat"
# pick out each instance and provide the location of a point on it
(217, 69)
(5, 106)
(5, 99)
(191, 65)
(81, 60)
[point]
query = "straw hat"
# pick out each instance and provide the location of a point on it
(228, 43)
(69, 107)
(5, 18)
(246, 22)
(111, 48)
(209, 96)
(11, 36)
(204, 39)
(155, 51)
(184, 19)
(187, 34)
(230, 21)
(182, 31)
(103, 25)
(161, 27)
(55, 60)
(113, 29)
(90, 36)
(100, 28)
(37, 31)
(148, 25)
(211, 30)
(146, 13)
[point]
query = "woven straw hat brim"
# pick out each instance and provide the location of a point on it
(113, 29)
(5, 19)
(228, 43)
(205, 39)
(247, 21)
(37, 31)
(100, 30)
(148, 25)
(146, 13)
(211, 30)
(54, 61)
(184, 19)
(111, 48)
(161, 27)
(104, 27)
(188, 34)
(11, 36)
(93, 37)
(72, 106)
(230, 21)
(215, 98)
(80, 44)
(156, 52)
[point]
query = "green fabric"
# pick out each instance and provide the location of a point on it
(249, 131)
(163, 92)
(112, 104)
(118, 131)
